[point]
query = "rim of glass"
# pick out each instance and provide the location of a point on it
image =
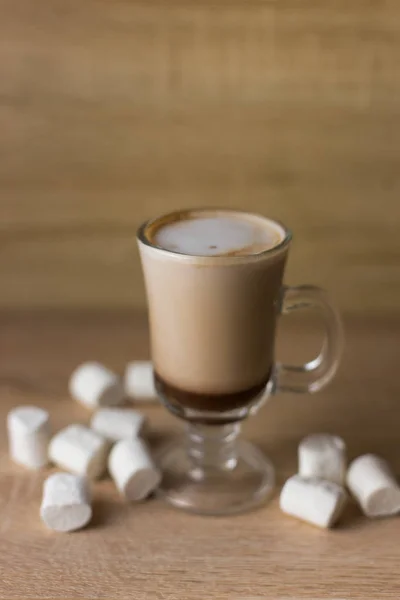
(142, 237)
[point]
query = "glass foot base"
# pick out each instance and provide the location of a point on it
(236, 486)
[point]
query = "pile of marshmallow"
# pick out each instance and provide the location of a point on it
(113, 439)
(317, 494)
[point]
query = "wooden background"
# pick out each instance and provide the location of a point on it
(111, 112)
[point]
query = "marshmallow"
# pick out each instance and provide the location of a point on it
(133, 470)
(118, 423)
(28, 436)
(94, 385)
(374, 486)
(313, 500)
(80, 450)
(139, 380)
(66, 502)
(323, 455)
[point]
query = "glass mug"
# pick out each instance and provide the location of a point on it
(212, 329)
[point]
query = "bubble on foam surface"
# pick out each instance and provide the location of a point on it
(215, 236)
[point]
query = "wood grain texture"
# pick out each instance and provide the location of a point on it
(114, 112)
(152, 551)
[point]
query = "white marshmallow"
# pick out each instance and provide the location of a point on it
(66, 502)
(94, 385)
(80, 450)
(374, 486)
(133, 470)
(28, 436)
(323, 455)
(313, 500)
(139, 380)
(118, 423)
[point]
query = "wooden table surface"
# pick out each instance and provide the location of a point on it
(151, 551)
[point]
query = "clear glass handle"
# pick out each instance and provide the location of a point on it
(315, 374)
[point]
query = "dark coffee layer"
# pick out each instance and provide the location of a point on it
(209, 402)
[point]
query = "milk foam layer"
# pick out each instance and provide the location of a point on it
(217, 234)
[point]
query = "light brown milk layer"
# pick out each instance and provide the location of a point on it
(213, 318)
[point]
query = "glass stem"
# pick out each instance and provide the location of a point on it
(213, 446)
